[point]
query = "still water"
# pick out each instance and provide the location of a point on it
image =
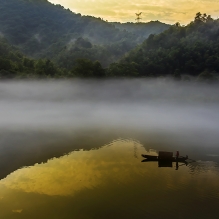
(72, 149)
(111, 182)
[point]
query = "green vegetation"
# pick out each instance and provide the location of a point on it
(192, 50)
(13, 64)
(39, 39)
(86, 68)
(43, 30)
(142, 31)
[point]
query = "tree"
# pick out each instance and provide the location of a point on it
(177, 24)
(87, 68)
(45, 68)
(207, 76)
(198, 17)
(5, 64)
(98, 71)
(202, 18)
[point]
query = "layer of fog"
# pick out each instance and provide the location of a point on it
(159, 111)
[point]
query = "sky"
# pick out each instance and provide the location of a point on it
(168, 11)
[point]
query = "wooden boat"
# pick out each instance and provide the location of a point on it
(166, 159)
(158, 158)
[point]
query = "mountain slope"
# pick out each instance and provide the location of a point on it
(43, 30)
(13, 64)
(142, 30)
(191, 50)
(10, 59)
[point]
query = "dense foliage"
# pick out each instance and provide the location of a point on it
(191, 50)
(13, 64)
(39, 39)
(142, 30)
(43, 30)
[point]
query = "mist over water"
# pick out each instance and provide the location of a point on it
(73, 149)
(162, 112)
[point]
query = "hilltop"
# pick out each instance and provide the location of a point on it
(41, 29)
(181, 50)
(39, 39)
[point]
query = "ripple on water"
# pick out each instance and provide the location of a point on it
(112, 180)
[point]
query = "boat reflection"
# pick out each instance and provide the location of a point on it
(109, 181)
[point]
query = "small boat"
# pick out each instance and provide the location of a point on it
(158, 158)
(166, 159)
(165, 156)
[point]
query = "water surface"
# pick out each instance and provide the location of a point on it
(72, 149)
(111, 182)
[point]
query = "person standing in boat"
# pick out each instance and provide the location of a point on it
(177, 154)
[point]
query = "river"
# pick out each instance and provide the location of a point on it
(72, 149)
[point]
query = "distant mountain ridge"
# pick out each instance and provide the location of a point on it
(142, 30)
(43, 30)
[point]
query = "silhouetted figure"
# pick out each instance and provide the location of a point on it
(177, 154)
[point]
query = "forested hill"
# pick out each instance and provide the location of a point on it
(13, 64)
(44, 30)
(191, 50)
(142, 30)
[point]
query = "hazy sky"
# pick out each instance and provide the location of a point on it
(168, 11)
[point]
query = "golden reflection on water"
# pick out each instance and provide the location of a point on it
(112, 175)
(79, 170)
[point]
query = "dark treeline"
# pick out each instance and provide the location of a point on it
(191, 50)
(13, 64)
(39, 39)
(142, 30)
(43, 30)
